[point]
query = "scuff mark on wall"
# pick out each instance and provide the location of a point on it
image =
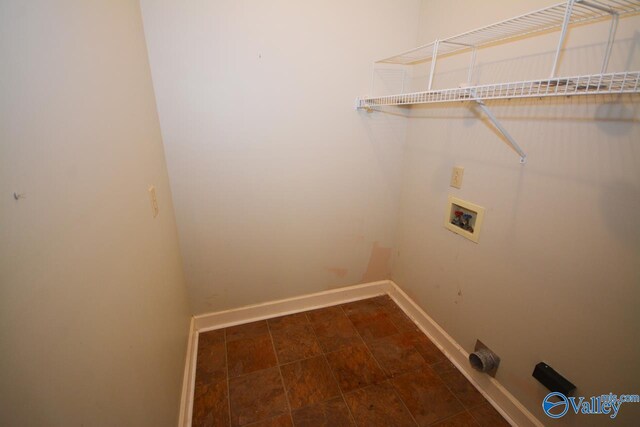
(338, 271)
(378, 268)
(458, 298)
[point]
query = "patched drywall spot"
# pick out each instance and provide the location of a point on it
(338, 272)
(378, 268)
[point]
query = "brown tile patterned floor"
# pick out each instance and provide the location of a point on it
(363, 363)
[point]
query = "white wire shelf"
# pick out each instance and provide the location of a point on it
(559, 16)
(594, 84)
(545, 19)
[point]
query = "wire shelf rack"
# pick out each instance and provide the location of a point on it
(593, 84)
(559, 16)
(548, 18)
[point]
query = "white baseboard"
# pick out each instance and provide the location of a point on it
(186, 399)
(504, 402)
(252, 313)
(255, 312)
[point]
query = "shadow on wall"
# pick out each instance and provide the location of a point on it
(379, 264)
(620, 200)
(615, 117)
(620, 203)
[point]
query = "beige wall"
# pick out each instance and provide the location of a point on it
(556, 274)
(281, 188)
(93, 311)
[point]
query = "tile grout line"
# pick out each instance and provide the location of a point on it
(456, 395)
(272, 345)
(464, 407)
(396, 324)
(387, 376)
(325, 353)
(369, 351)
(477, 406)
(467, 409)
(284, 387)
(387, 380)
(333, 375)
(453, 416)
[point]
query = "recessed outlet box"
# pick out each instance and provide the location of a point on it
(464, 218)
(456, 176)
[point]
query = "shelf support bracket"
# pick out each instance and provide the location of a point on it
(434, 56)
(563, 34)
(473, 64)
(615, 16)
(612, 36)
(500, 128)
(473, 56)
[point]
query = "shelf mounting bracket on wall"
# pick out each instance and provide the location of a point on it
(480, 103)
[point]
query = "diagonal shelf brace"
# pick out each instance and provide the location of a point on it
(501, 129)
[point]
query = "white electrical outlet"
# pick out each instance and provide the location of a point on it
(154, 201)
(456, 176)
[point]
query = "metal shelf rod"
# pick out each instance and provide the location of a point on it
(612, 35)
(563, 34)
(433, 63)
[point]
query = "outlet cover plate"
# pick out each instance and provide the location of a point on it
(456, 176)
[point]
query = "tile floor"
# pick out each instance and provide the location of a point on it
(358, 364)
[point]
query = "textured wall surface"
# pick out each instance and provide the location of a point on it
(281, 188)
(93, 309)
(555, 274)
